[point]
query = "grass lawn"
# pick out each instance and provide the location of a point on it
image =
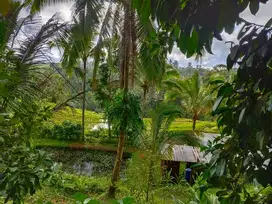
(92, 118)
(78, 145)
(96, 188)
(75, 114)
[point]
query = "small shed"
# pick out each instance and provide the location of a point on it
(173, 155)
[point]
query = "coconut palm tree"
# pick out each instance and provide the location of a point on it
(78, 48)
(195, 97)
(124, 80)
(148, 78)
(21, 60)
(123, 22)
(161, 119)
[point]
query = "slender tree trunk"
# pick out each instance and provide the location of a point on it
(194, 121)
(145, 89)
(57, 107)
(84, 98)
(150, 179)
(124, 78)
(133, 46)
(95, 68)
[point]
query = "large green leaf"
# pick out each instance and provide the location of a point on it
(192, 44)
(80, 197)
(217, 103)
(146, 10)
(269, 23)
(254, 6)
(241, 116)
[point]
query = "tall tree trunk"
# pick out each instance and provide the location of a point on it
(145, 89)
(84, 98)
(133, 46)
(194, 120)
(96, 64)
(124, 78)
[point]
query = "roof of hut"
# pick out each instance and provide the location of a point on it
(187, 153)
(182, 153)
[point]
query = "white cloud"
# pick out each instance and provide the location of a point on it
(63, 8)
(219, 48)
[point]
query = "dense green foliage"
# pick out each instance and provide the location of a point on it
(196, 99)
(244, 110)
(133, 123)
(123, 47)
(23, 171)
(66, 131)
(192, 25)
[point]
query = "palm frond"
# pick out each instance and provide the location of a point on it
(76, 45)
(117, 20)
(89, 12)
(163, 115)
(153, 63)
(32, 50)
(142, 30)
(103, 34)
(195, 97)
(21, 23)
(172, 73)
(105, 29)
(22, 62)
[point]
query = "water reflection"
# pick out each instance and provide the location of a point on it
(85, 168)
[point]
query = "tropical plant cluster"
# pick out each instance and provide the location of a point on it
(66, 131)
(126, 97)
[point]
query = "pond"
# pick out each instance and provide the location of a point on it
(84, 162)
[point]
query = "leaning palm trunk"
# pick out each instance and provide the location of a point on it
(84, 99)
(124, 78)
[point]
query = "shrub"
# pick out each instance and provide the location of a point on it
(99, 133)
(66, 131)
(143, 174)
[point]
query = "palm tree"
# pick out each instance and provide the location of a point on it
(148, 78)
(195, 97)
(124, 80)
(130, 32)
(159, 134)
(20, 61)
(78, 47)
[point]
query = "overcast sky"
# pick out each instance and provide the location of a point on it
(219, 48)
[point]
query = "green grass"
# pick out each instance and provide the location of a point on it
(75, 115)
(96, 188)
(79, 145)
(185, 125)
(92, 118)
(64, 192)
